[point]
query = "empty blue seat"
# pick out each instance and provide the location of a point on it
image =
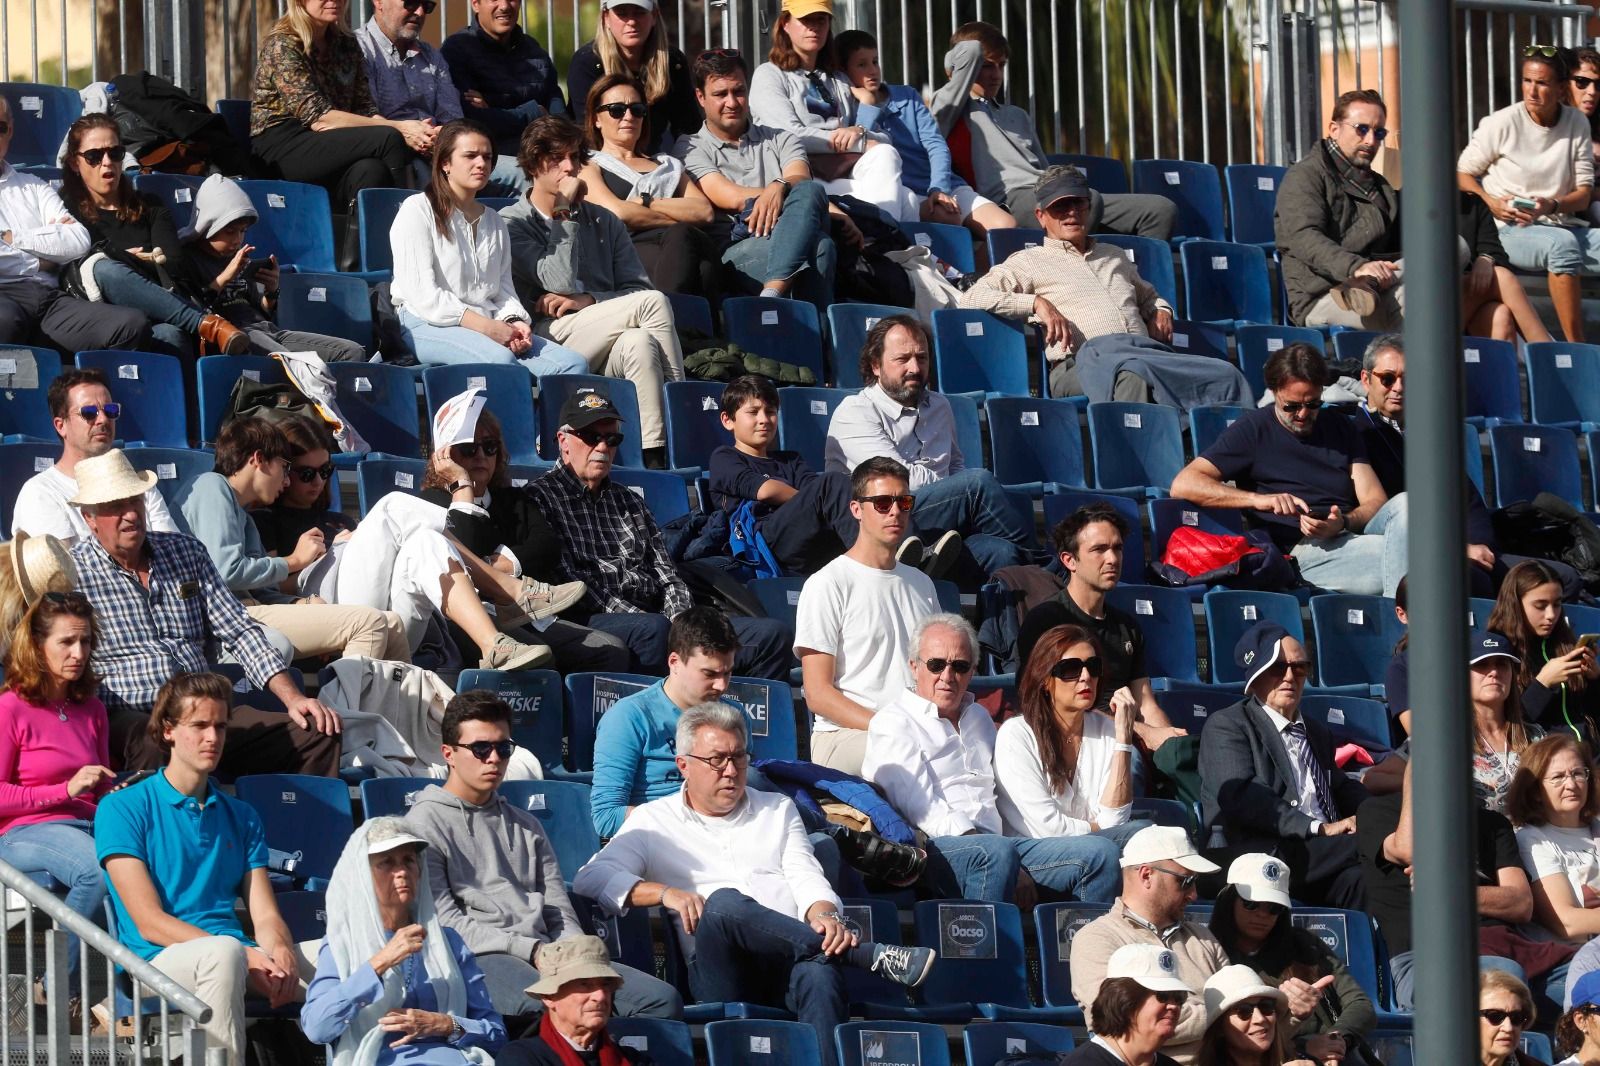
(768, 714)
(380, 401)
(1257, 342)
(1538, 1047)
(882, 1043)
(786, 330)
(1003, 242)
(18, 462)
(40, 115)
(1036, 443)
(1135, 446)
(1190, 706)
(779, 596)
(25, 377)
(1494, 386)
(538, 708)
(376, 478)
(218, 374)
(307, 817)
(150, 389)
(665, 494)
(1206, 424)
(951, 245)
(562, 808)
(1166, 620)
(848, 326)
(694, 423)
(175, 191)
(175, 470)
(1060, 504)
(375, 212)
(1151, 258)
(761, 1042)
(1351, 344)
(803, 417)
(294, 223)
(1169, 514)
(988, 1042)
(969, 430)
(974, 351)
(1252, 200)
(691, 312)
(667, 1042)
(390, 795)
(1229, 612)
(1531, 459)
(1355, 638)
(1194, 187)
(335, 305)
(1564, 384)
(590, 695)
(553, 392)
(1226, 282)
(1054, 925)
(508, 395)
(1106, 175)
(305, 913)
(1351, 719)
(1473, 455)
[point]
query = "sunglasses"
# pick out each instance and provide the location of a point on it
(308, 474)
(885, 503)
(1185, 881)
(1260, 904)
(937, 666)
(1245, 1011)
(1067, 205)
(1072, 669)
(1582, 82)
(426, 5)
(94, 155)
(1497, 1018)
(89, 412)
(67, 599)
(720, 763)
(1171, 999)
(616, 111)
(1387, 378)
(722, 53)
(1549, 51)
(594, 438)
(1300, 667)
(481, 748)
(1362, 129)
(491, 448)
(1292, 408)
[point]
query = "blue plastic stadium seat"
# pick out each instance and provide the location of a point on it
(25, 376)
(175, 191)
(951, 245)
(1194, 187)
(1351, 719)
(376, 478)
(508, 394)
(1252, 199)
(779, 596)
(1060, 504)
(1169, 514)
(40, 115)
(236, 113)
(786, 330)
(803, 417)
(848, 325)
(874, 919)
(1191, 706)
(218, 374)
(880, 1043)
(562, 808)
(691, 312)
(1004, 242)
(1564, 384)
(1106, 175)
(390, 795)
(1151, 258)
(969, 430)
(308, 817)
(1229, 612)
(553, 392)
(538, 709)
(1257, 343)
(151, 390)
(667, 1042)
(1349, 936)
(974, 351)
(1355, 638)
(380, 401)
(295, 224)
(1037, 445)
(375, 212)
(1494, 386)
(1192, 337)
(665, 494)
(1135, 446)
(19, 462)
(761, 1042)
(988, 1042)
(590, 695)
(1166, 620)
(1225, 282)
(694, 423)
(1055, 924)
(335, 305)
(176, 470)
(1207, 422)
(1352, 343)
(1473, 454)
(1531, 459)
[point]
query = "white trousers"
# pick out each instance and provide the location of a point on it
(396, 561)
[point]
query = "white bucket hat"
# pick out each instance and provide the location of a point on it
(1232, 985)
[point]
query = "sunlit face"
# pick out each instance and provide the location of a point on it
(118, 525)
(497, 18)
(712, 791)
(470, 164)
(1566, 784)
(1157, 1016)
(591, 459)
(808, 34)
(1586, 88)
(863, 69)
(701, 678)
(479, 465)
(394, 877)
(323, 13)
(475, 774)
(1078, 690)
(616, 125)
(890, 527)
(582, 1007)
(726, 103)
(1296, 405)
(1098, 563)
(1357, 147)
(1280, 685)
(1541, 605)
(1066, 219)
(946, 688)
(1386, 384)
(301, 493)
(67, 647)
(630, 26)
(754, 424)
(197, 737)
(1251, 1026)
(229, 239)
(1542, 93)
(1499, 1041)
(402, 20)
(87, 437)
(549, 172)
(1491, 681)
(903, 369)
(102, 178)
(266, 478)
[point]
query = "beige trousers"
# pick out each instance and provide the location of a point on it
(336, 629)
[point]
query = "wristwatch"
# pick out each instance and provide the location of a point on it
(645, 199)
(456, 1029)
(456, 486)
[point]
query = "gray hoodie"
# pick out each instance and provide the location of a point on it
(494, 873)
(1006, 156)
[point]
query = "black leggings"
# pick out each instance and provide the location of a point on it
(344, 161)
(682, 258)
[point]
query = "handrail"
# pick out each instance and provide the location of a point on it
(103, 942)
(1540, 8)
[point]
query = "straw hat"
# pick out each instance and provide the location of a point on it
(41, 564)
(108, 478)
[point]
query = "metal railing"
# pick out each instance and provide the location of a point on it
(173, 1028)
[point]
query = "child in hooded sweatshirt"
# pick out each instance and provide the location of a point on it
(243, 290)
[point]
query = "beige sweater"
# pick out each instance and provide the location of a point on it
(1199, 956)
(1515, 156)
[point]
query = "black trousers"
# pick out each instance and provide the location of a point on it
(257, 742)
(814, 526)
(31, 311)
(682, 258)
(344, 161)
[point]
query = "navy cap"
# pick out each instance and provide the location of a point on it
(1070, 183)
(586, 406)
(1258, 649)
(1487, 644)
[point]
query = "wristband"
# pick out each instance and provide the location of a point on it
(835, 915)
(1129, 748)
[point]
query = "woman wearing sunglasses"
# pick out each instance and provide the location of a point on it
(1578, 1031)
(136, 259)
(1062, 769)
(653, 195)
(631, 40)
(1135, 1011)
(1244, 1028)
(1553, 804)
(1585, 87)
(1557, 678)
(1326, 1013)
(306, 501)
(1505, 1009)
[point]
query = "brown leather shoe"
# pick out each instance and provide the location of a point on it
(220, 335)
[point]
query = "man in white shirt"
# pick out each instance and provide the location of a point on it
(37, 234)
(85, 417)
(853, 623)
(897, 415)
(930, 749)
(733, 867)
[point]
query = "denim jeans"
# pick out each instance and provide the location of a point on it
(973, 503)
(1369, 563)
(1555, 249)
(1402, 976)
(800, 239)
(65, 850)
(458, 344)
(984, 866)
(744, 951)
(641, 995)
(124, 286)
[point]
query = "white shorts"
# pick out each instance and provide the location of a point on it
(968, 200)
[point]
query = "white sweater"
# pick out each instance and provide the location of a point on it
(43, 233)
(1027, 806)
(1515, 156)
(440, 278)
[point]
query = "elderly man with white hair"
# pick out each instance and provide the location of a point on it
(931, 751)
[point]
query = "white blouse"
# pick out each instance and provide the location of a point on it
(440, 278)
(1028, 808)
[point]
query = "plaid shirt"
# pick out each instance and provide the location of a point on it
(146, 636)
(610, 542)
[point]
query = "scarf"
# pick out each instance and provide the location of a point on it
(610, 1054)
(1359, 180)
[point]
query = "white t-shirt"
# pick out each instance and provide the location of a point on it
(1027, 806)
(864, 618)
(42, 508)
(1548, 850)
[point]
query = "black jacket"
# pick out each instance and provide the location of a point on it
(675, 115)
(515, 521)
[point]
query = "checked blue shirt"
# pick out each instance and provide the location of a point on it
(147, 635)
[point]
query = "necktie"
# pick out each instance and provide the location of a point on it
(1299, 745)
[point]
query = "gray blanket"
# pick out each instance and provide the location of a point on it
(1181, 381)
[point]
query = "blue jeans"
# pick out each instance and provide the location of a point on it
(800, 239)
(458, 344)
(744, 951)
(984, 866)
(505, 124)
(64, 850)
(973, 503)
(1402, 976)
(1555, 249)
(174, 322)
(1369, 563)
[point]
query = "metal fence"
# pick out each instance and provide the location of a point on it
(164, 1019)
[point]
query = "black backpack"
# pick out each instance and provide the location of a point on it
(168, 130)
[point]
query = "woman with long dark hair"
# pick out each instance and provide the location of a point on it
(1244, 1029)
(1557, 675)
(306, 502)
(631, 41)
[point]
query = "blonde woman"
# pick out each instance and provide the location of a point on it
(632, 40)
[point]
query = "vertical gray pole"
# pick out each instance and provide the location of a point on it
(1444, 915)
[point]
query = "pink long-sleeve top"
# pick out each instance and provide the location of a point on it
(39, 753)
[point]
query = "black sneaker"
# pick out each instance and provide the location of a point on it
(939, 559)
(903, 965)
(910, 552)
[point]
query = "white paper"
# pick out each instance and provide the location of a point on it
(128, 371)
(1133, 420)
(819, 407)
(1274, 344)
(1030, 418)
(792, 597)
(924, 239)
(241, 685)
(42, 462)
(1127, 253)
(1191, 518)
(1180, 340)
(1266, 184)
(34, 104)
(275, 199)
(974, 329)
(1199, 710)
(1564, 361)
(1335, 716)
(404, 480)
(519, 482)
(1532, 444)
(317, 295)
(1219, 262)
(1355, 617)
(167, 471)
(873, 322)
(456, 421)
(1172, 177)
(1144, 607)
(1249, 612)
(8, 366)
(476, 382)
(1016, 1045)
(769, 318)
(1470, 355)
(761, 1045)
(536, 802)
(637, 490)
(708, 403)
(183, 195)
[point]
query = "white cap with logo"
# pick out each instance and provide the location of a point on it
(1159, 842)
(1152, 966)
(1261, 878)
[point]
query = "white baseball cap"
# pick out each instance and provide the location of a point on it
(1260, 878)
(1235, 984)
(1158, 842)
(1152, 966)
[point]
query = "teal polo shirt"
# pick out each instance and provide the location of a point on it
(198, 852)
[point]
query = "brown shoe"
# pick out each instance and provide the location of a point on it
(220, 335)
(1354, 296)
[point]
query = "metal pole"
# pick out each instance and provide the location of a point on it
(1445, 929)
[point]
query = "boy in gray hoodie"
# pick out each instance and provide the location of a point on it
(1000, 142)
(493, 872)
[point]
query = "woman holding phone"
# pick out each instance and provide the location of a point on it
(1558, 673)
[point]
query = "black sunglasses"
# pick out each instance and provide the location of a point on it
(89, 412)
(722, 53)
(67, 599)
(885, 503)
(94, 155)
(1184, 882)
(426, 5)
(1583, 83)
(470, 450)
(1362, 129)
(1171, 999)
(1497, 1018)
(481, 748)
(617, 110)
(1246, 1010)
(1387, 378)
(594, 438)
(1258, 904)
(1301, 667)
(5, 128)
(937, 666)
(1072, 669)
(308, 474)
(1290, 408)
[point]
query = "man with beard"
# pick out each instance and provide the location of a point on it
(897, 415)
(1307, 480)
(1337, 225)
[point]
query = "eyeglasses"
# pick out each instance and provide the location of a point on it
(67, 599)
(1185, 881)
(89, 412)
(1171, 999)
(308, 474)
(1258, 904)
(1582, 82)
(1292, 408)
(1072, 669)
(1387, 378)
(1577, 777)
(594, 438)
(720, 763)
(883, 504)
(722, 53)
(617, 110)
(94, 155)
(1247, 1010)
(481, 748)
(1549, 51)
(937, 666)
(1300, 667)
(470, 450)
(1362, 130)
(1067, 205)
(1496, 1018)
(426, 5)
